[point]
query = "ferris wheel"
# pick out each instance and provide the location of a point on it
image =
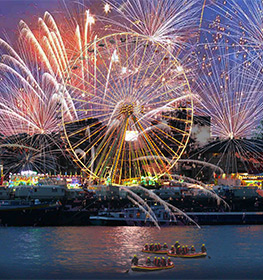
(133, 108)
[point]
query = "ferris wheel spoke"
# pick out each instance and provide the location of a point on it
(103, 148)
(141, 65)
(83, 140)
(91, 146)
(83, 129)
(175, 141)
(118, 151)
(111, 150)
(156, 80)
(148, 67)
(175, 98)
(167, 147)
(84, 119)
(90, 84)
(152, 148)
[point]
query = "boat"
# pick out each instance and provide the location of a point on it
(132, 217)
(191, 255)
(141, 267)
(29, 213)
(22, 205)
(155, 252)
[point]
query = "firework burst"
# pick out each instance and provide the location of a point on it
(231, 93)
(168, 22)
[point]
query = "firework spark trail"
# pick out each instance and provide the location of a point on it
(230, 93)
(30, 101)
(35, 75)
(229, 79)
(145, 211)
(212, 166)
(51, 45)
(164, 108)
(197, 183)
(166, 204)
(23, 106)
(23, 152)
(243, 20)
(239, 24)
(164, 21)
(204, 189)
(139, 200)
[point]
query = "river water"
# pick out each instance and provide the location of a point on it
(106, 252)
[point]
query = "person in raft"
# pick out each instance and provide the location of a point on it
(203, 248)
(151, 247)
(186, 249)
(155, 261)
(165, 246)
(159, 261)
(192, 249)
(173, 249)
(169, 262)
(135, 260)
(148, 261)
(163, 262)
(176, 244)
(178, 250)
(146, 247)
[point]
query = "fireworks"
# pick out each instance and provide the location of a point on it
(104, 83)
(168, 22)
(23, 152)
(231, 95)
(230, 87)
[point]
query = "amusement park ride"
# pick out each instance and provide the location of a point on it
(133, 107)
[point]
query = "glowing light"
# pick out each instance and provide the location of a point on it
(107, 8)
(28, 173)
(131, 136)
(179, 68)
(124, 70)
(89, 18)
(115, 57)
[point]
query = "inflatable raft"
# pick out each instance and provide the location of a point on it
(155, 252)
(189, 255)
(141, 267)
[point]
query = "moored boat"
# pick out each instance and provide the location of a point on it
(141, 267)
(191, 255)
(132, 217)
(22, 205)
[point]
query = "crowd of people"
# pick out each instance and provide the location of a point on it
(155, 247)
(175, 249)
(157, 261)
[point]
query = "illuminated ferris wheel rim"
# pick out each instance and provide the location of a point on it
(186, 136)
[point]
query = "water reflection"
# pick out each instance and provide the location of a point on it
(82, 251)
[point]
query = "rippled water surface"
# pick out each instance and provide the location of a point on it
(106, 252)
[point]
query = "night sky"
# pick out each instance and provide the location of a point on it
(12, 11)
